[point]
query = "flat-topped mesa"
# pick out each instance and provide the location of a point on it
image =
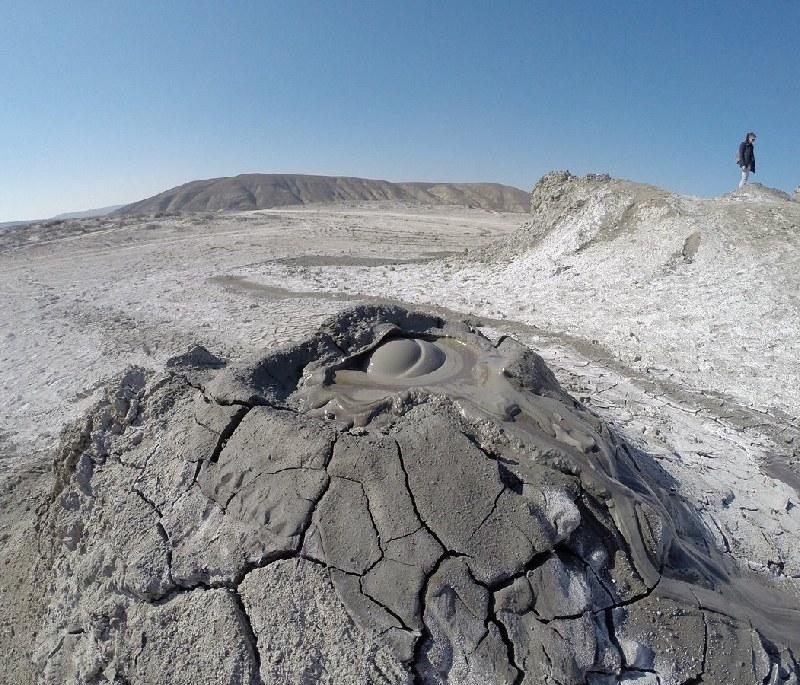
(434, 498)
(264, 191)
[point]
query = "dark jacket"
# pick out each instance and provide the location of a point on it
(747, 157)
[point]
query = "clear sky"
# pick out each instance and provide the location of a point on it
(106, 102)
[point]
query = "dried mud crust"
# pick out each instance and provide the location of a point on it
(205, 525)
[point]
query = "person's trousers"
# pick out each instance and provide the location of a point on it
(745, 176)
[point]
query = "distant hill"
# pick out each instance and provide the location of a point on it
(14, 224)
(88, 213)
(262, 191)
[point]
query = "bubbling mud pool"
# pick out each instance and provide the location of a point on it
(399, 367)
(477, 379)
(395, 368)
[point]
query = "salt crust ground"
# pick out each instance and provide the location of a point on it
(84, 299)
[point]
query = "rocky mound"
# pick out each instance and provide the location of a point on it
(394, 500)
(574, 213)
(262, 191)
(664, 281)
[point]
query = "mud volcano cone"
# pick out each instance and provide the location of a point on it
(394, 500)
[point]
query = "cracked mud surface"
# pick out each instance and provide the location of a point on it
(264, 522)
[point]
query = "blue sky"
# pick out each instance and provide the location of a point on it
(109, 102)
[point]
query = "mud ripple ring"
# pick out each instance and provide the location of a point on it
(405, 358)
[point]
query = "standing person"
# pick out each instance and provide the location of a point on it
(747, 158)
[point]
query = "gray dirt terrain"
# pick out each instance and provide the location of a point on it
(299, 505)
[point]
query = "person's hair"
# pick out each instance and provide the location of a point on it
(749, 135)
